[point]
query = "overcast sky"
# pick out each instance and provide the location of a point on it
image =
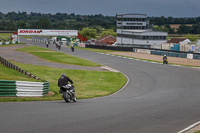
(174, 8)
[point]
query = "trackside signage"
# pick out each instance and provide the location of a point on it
(47, 32)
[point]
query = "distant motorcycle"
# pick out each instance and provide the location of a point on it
(72, 48)
(165, 61)
(47, 45)
(68, 93)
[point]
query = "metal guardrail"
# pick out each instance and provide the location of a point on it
(11, 65)
(130, 48)
(22, 88)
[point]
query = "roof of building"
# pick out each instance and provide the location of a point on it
(138, 31)
(176, 40)
(105, 37)
(131, 14)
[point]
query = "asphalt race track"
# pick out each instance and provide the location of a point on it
(157, 99)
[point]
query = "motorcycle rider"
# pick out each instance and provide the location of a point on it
(63, 81)
(72, 47)
(165, 59)
(47, 44)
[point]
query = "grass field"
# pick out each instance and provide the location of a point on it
(95, 50)
(88, 84)
(5, 36)
(58, 57)
(10, 74)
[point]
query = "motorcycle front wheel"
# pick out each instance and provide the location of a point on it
(66, 97)
(74, 99)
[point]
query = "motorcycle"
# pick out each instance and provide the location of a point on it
(47, 45)
(72, 48)
(59, 46)
(68, 93)
(165, 61)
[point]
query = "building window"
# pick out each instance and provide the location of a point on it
(119, 19)
(131, 19)
(142, 37)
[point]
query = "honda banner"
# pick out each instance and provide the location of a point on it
(47, 32)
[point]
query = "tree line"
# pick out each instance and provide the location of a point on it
(99, 22)
(163, 24)
(14, 21)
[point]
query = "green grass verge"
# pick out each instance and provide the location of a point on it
(5, 36)
(88, 84)
(27, 37)
(58, 57)
(197, 132)
(11, 74)
(95, 50)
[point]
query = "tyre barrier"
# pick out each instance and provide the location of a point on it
(5, 43)
(23, 88)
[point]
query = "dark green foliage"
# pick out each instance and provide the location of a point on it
(184, 29)
(170, 20)
(14, 21)
(22, 20)
(44, 23)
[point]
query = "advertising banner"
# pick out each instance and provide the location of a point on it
(81, 45)
(41, 32)
(192, 47)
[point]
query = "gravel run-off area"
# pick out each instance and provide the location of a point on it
(174, 60)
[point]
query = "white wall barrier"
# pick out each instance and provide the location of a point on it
(6, 43)
(23, 88)
(144, 51)
(81, 45)
(190, 56)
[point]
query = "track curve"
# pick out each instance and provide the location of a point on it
(157, 99)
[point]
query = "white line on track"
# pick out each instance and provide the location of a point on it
(190, 127)
(116, 91)
(144, 60)
(182, 131)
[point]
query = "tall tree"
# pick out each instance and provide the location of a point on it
(44, 23)
(109, 32)
(195, 29)
(89, 33)
(192, 38)
(183, 29)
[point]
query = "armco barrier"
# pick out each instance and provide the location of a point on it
(23, 88)
(195, 56)
(175, 54)
(11, 65)
(134, 49)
